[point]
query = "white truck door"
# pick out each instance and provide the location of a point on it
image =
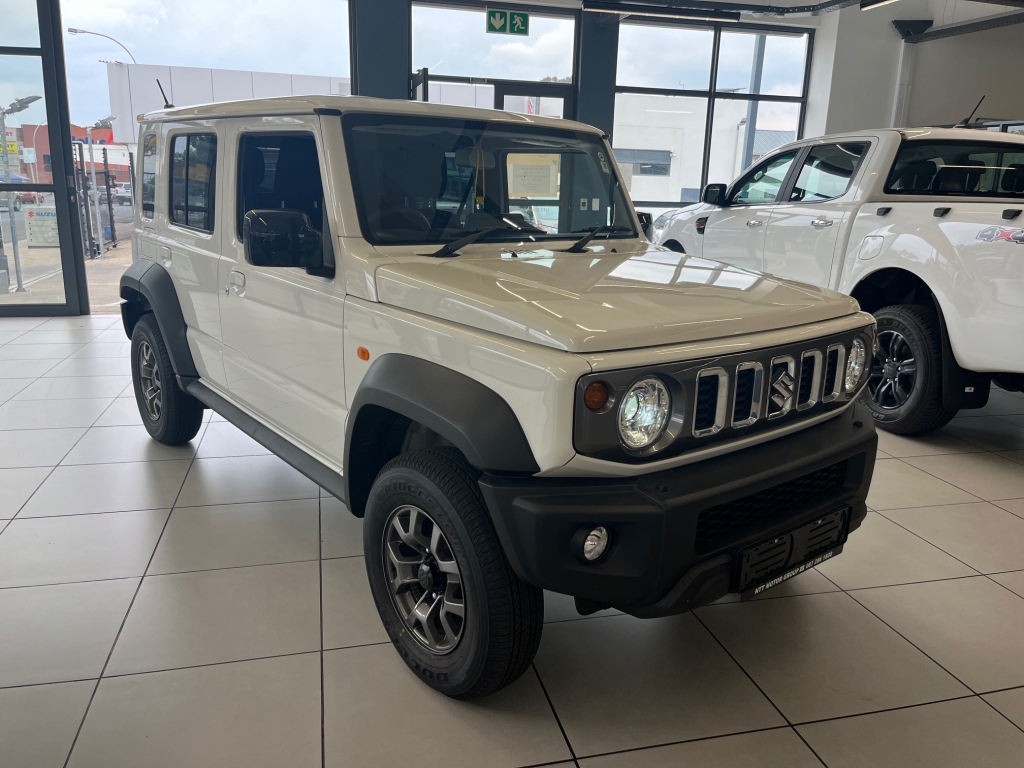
(283, 327)
(734, 234)
(801, 237)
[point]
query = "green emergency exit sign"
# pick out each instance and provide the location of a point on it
(508, 22)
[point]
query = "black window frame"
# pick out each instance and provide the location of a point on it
(905, 142)
(148, 208)
(212, 204)
(711, 94)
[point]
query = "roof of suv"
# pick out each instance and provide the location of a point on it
(307, 105)
(921, 134)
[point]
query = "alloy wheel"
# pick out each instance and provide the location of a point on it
(424, 579)
(893, 371)
(149, 378)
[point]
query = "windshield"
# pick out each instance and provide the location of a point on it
(420, 180)
(972, 169)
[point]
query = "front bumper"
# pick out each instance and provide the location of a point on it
(676, 534)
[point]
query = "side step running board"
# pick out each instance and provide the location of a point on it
(315, 470)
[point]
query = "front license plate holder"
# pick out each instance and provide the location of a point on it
(783, 557)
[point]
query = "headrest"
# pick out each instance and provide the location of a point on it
(917, 176)
(1013, 179)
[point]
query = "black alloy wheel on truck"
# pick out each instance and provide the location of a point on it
(456, 612)
(904, 391)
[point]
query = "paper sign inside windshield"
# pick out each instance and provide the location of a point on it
(533, 175)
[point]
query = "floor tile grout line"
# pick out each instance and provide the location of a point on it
(51, 682)
(922, 538)
(989, 501)
(247, 659)
(150, 509)
(320, 570)
(554, 713)
(887, 710)
(124, 621)
(742, 669)
(1001, 714)
(695, 740)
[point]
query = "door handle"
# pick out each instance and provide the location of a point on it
(754, 223)
(821, 223)
(236, 283)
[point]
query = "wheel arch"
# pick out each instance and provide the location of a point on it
(148, 287)
(401, 393)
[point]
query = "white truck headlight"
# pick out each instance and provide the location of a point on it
(855, 365)
(644, 413)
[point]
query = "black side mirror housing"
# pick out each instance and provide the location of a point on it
(714, 194)
(282, 238)
(646, 222)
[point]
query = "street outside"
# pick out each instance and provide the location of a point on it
(41, 267)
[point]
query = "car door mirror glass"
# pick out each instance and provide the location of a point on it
(713, 194)
(281, 238)
(646, 222)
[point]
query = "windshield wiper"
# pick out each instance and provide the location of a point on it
(580, 246)
(455, 245)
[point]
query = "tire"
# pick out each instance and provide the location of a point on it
(905, 378)
(171, 416)
(432, 497)
(674, 245)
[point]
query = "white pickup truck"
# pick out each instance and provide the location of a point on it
(923, 227)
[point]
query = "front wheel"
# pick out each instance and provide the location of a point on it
(171, 416)
(456, 612)
(904, 390)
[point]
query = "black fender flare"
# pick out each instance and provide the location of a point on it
(470, 415)
(147, 286)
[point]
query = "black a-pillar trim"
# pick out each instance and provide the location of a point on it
(380, 38)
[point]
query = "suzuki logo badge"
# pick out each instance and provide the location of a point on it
(783, 387)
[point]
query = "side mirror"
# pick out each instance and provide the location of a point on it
(714, 194)
(646, 222)
(281, 238)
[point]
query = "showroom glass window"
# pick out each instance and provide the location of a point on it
(193, 177)
(687, 130)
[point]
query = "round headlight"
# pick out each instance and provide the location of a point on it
(644, 413)
(855, 365)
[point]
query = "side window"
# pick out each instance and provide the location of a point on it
(193, 179)
(765, 183)
(148, 175)
(827, 172)
(280, 171)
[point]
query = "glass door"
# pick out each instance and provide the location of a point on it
(545, 99)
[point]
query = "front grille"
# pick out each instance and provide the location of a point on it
(807, 367)
(831, 367)
(707, 403)
(726, 524)
(744, 395)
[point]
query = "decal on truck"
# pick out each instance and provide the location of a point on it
(995, 234)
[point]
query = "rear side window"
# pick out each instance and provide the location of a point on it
(764, 184)
(193, 172)
(148, 175)
(958, 168)
(280, 171)
(827, 172)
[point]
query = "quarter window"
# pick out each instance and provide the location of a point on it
(765, 183)
(968, 169)
(193, 172)
(148, 175)
(827, 172)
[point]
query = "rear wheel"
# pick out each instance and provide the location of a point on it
(456, 612)
(171, 416)
(905, 382)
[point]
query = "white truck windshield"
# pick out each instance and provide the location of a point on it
(959, 168)
(420, 180)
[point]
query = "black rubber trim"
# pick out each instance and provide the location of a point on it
(956, 380)
(474, 418)
(146, 280)
(315, 470)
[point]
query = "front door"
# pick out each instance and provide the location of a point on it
(734, 234)
(801, 240)
(283, 327)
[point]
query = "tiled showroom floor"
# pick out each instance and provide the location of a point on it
(207, 606)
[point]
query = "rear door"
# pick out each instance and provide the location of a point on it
(283, 327)
(734, 234)
(801, 237)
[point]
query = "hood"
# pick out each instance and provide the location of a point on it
(603, 300)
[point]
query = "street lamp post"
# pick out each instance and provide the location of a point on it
(95, 193)
(73, 31)
(18, 105)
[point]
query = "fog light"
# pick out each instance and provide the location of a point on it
(595, 544)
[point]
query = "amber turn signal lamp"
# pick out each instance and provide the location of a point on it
(595, 396)
(362, 353)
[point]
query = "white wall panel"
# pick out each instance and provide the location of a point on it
(267, 85)
(231, 85)
(306, 85)
(191, 85)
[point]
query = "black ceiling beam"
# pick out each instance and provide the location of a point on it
(669, 8)
(980, 25)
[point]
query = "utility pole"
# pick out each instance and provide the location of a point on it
(95, 194)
